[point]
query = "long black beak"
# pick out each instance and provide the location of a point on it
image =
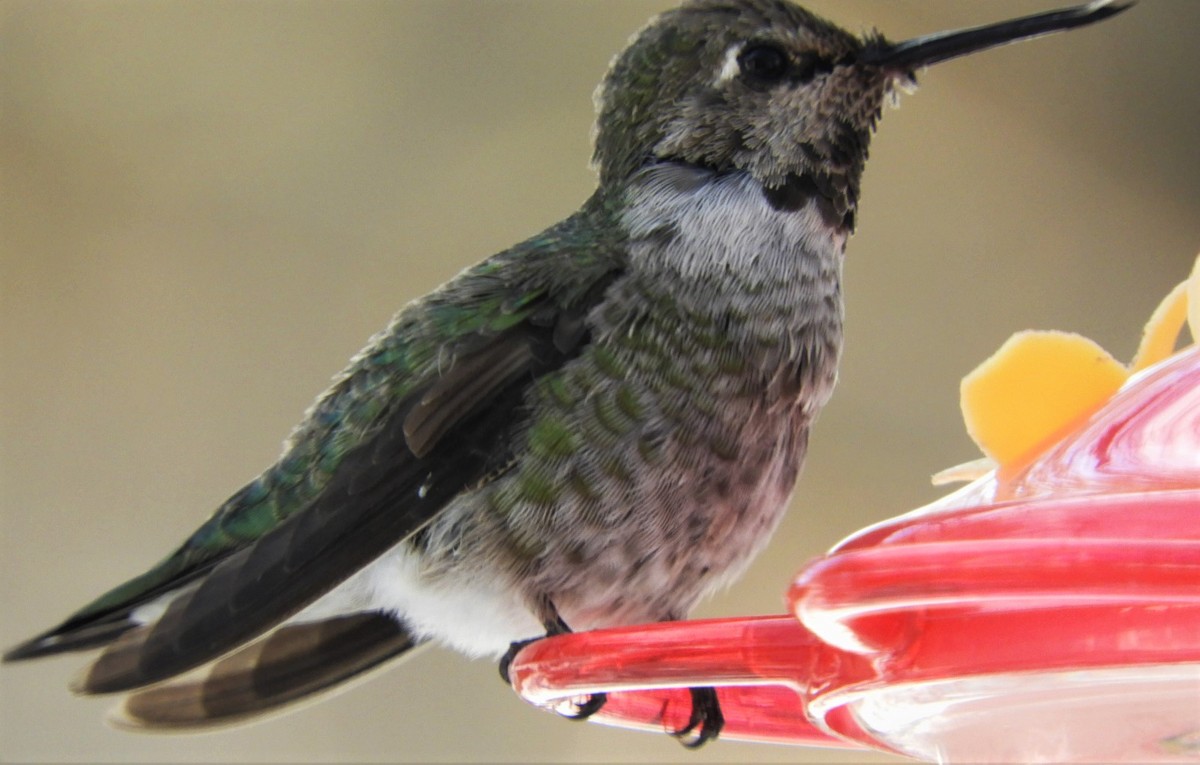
(910, 55)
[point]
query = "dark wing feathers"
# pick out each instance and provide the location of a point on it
(462, 388)
(460, 320)
(381, 493)
(71, 637)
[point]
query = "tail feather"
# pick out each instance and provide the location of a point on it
(291, 664)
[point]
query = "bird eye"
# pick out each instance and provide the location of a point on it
(763, 63)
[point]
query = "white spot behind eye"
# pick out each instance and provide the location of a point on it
(730, 68)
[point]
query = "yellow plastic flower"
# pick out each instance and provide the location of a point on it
(1042, 385)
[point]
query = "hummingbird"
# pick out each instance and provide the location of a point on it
(595, 427)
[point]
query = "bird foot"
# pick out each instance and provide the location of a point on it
(706, 720)
(581, 707)
(507, 660)
(573, 708)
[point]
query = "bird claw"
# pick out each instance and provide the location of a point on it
(574, 708)
(554, 625)
(705, 722)
(507, 660)
(581, 707)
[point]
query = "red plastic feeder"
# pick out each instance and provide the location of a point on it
(1048, 615)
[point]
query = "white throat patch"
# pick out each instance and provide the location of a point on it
(724, 223)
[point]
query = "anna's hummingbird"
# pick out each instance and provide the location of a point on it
(595, 427)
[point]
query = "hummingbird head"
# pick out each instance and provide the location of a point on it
(770, 89)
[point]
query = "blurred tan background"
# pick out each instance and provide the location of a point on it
(207, 207)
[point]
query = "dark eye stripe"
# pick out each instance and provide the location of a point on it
(809, 66)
